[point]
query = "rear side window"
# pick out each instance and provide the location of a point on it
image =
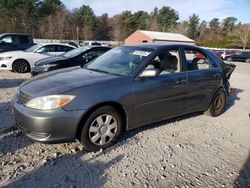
(48, 48)
(61, 48)
(197, 60)
(24, 39)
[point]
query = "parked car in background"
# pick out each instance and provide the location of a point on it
(125, 88)
(241, 56)
(75, 57)
(217, 53)
(90, 43)
(21, 61)
(226, 53)
(15, 41)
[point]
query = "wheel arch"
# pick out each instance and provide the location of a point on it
(18, 59)
(113, 104)
(214, 94)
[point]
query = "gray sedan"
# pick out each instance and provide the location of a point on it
(127, 87)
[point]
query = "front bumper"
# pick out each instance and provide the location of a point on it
(5, 65)
(50, 126)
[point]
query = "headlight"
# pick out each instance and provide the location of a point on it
(49, 102)
(49, 65)
(5, 58)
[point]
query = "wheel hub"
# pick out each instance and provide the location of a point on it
(103, 129)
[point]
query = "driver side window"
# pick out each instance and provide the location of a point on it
(167, 62)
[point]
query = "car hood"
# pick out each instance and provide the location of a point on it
(61, 81)
(50, 60)
(11, 53)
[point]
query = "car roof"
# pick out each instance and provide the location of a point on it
(54, 43)
(160, 45)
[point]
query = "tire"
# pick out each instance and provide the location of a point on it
(217, 105)
(248, 60)
(229, 59)
(21, 66)
(101, 129)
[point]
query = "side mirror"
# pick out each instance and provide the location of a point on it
(149, 73)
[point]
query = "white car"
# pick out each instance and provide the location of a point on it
(22, 61)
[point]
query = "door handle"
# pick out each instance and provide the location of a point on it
(181, 82)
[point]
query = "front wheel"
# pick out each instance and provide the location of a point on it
(101, 129)
(217, 105)
(21, 66)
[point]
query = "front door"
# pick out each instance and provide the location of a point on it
(163, 96)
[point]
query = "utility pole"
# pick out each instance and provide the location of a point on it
(77, 35)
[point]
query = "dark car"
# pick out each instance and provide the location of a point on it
(240, 57)
(75, 57)
(15, 41)
(125, 88)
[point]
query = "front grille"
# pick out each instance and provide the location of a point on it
(23, 97)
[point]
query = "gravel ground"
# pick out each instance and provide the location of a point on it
(191, 151)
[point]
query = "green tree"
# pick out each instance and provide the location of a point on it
(214, 25)
(103, 28)
(193, 26)
(167, 18)
(139, 20)
(84, 18)
(153, 25)
(48, 7)
(228, 24)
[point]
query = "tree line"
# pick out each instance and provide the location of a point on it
(50, 19)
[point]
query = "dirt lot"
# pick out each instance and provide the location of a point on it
(191, 151)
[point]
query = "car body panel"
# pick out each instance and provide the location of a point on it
(144, 100)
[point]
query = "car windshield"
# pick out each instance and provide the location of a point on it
(119, 61)
(75, 52)
(33, 48)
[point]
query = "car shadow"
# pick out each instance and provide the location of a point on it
(70, 170)
(243, 180)
(10, 83)
(232, 98)
(6, 116)
(128, 134)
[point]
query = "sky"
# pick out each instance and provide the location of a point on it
(206, 9)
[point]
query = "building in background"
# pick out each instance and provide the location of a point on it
(141, 36)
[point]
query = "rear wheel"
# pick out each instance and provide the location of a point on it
(101, 129)
(217, 105)
(248, 60)
(229, 59)
(21, 66)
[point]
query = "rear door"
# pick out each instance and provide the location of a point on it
(164, 96)
(204, 78)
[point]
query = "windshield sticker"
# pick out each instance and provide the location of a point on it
(141, 53)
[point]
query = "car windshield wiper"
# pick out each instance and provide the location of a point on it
(101, 71)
